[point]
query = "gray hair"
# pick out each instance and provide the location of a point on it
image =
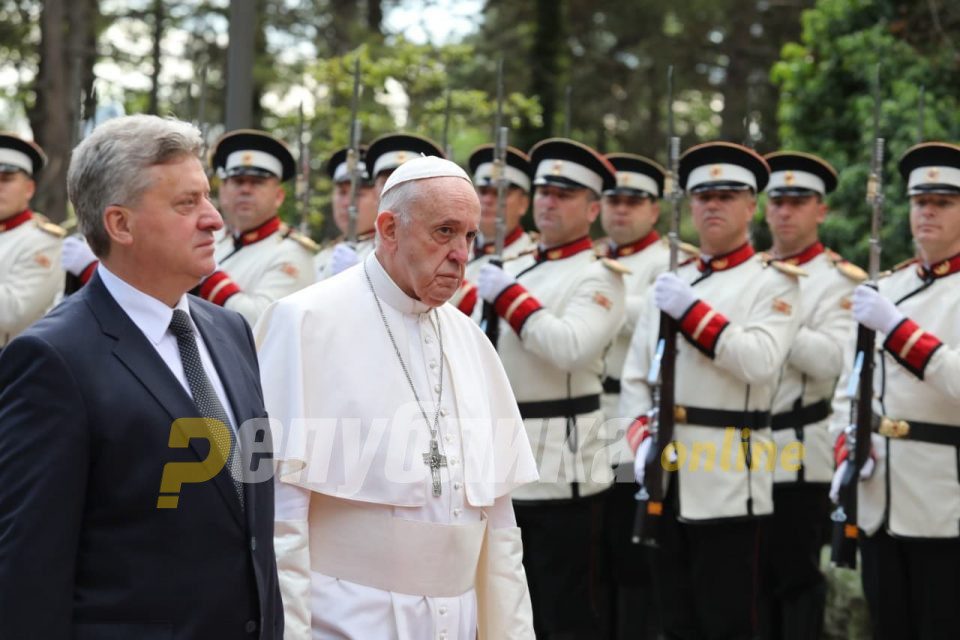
(110, 167)
(400, 200)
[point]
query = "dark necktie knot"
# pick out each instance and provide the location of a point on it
(180, 324)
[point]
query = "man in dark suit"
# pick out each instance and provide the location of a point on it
(89, 396)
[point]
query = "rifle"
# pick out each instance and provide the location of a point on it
(662, 374)
(843, 544)
(491, 322)
(303, 177)
(353, 155)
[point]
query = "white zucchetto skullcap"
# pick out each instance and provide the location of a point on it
(423, 168)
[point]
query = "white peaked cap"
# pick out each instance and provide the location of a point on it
(423, 168)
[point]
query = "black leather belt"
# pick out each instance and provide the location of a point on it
(722, 418)
(565, 408)
(800, 417)
(914, 430)
(611, 385)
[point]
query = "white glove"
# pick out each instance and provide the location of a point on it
(343, 258)
(672, 295)
(640, 460)
(76, 255)
(492, 281)
(874, 311)
(865, 472)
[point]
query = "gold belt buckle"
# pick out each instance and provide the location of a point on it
(894, 428)
(679, 413)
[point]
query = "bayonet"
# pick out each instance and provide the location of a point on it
(353, 155)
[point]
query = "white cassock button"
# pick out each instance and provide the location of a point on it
(433, 364)
(457, 485)
(436, 388)
(448, 438)
(443, 411)
(443, 611)
(457, 512)
(427, 340)
(453, 461)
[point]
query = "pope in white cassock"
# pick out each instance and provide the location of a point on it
(399, 438)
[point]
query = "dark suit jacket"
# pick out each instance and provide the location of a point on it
(86, 406)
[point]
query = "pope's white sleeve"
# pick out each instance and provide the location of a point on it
(291, 543)
(504, 611)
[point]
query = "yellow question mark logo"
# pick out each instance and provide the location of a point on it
(176, 473)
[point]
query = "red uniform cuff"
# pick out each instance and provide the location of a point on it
(218, 288)
(87, 272)
(911, 346)
(516, 305)
(637, 432)
(702, 326)
(840, 451)
(469, 299)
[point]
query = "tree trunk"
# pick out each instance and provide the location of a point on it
(374, 16)
(154, 105)
(55, 111)
(545, 64)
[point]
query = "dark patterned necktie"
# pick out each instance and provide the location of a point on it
(204, 396)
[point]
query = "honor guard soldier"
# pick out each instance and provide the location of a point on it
(388, 152)
(738, 315)
(794, 589)
(261, 259)
(30, 275)
(560, 308)
(629, 212)
(909, 503)
(382, 158)
(516, 242)
(338, 256)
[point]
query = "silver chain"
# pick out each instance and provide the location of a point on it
(403, 365)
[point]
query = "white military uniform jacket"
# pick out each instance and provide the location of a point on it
(352, 439)
(30, 274)
(366, 243)
(736, 339)
(258, 267)
(915, 488)
(814, 364)
(555, 324)
(517, 243)
(646, 258)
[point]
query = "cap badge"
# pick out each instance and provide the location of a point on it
(623, 180)
(401, 156)
(557, 167)
(716, 171)
(932, 174)
(789, 178)
(246, 159)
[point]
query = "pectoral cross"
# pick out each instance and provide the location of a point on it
(434, 459)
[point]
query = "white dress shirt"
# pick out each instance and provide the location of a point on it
(153, 317)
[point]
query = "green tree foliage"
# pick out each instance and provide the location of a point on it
(614, 56)
(826, 105)
(404, 87)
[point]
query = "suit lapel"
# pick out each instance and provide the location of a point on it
(142, 360)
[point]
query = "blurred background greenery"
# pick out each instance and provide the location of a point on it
(793, 74)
